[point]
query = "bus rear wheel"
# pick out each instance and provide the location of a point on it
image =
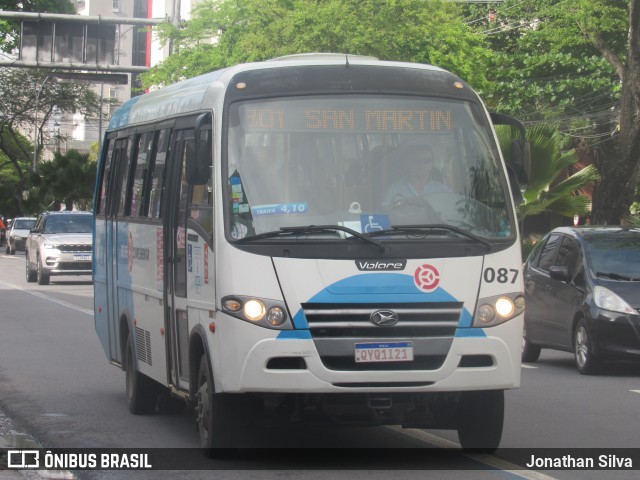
(142, 393)
(215, 414)
(481, 420)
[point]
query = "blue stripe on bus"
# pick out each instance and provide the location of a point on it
(294, 335)
(386, 288)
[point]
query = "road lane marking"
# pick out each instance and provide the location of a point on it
(635, 391)
(46, 297)
(485, 459)
(528, 366)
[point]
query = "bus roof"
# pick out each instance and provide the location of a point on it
(188, 95)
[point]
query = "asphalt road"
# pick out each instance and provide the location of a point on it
(58, 389)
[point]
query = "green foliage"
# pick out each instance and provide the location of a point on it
(256, 30)
(18, 114)
(547, 66)
(69, 179)
(548, 161)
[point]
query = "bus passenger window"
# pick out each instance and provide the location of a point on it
(201, 210)
(124, 170)
(144, 144)
(100, 208)
(157, 174)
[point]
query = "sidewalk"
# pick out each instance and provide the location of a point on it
(5, 473)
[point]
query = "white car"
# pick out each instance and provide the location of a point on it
(60, 243)
(18, 232)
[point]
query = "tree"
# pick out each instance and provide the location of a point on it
(543, 192)
(12, 172)
(226, 32)
(18, 89)
(68, 179)
(577, 63)
(17, 113)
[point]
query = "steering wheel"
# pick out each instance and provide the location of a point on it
(414, 209)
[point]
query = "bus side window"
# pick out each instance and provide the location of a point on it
(201, 210)
(144, 143)
(104, 181)
(157, 173)
(114, 180)
(124, 172)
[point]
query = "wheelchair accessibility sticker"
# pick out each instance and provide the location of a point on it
(374, 223)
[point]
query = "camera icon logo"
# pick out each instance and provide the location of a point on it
(23, 459)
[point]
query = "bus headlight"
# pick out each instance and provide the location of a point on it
(493, 311)
(260, 311)
(254, 310)
(275, 316)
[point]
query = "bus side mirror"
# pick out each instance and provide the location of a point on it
(199, 153)
(521, 159)
(519, 166)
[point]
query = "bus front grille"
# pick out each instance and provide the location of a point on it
(336, 328)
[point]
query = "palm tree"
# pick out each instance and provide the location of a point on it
(69, 179)
(548, 162)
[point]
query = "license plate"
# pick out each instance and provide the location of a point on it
(83, 257)
(384, 352)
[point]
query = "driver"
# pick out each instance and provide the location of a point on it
(422, 178)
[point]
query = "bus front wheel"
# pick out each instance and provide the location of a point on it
(481, 420)
(214, 414)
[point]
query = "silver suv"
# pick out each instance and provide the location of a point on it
(60, 243)
(17, 233)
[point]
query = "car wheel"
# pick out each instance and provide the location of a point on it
(586, 362)
(481, 420)
(142, 393)
(42, 276)
(530, 352)
(214, 415)
(30, 274)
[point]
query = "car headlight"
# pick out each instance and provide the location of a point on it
(49, 246)
(267, 313)
(607, 300)
(492, 311)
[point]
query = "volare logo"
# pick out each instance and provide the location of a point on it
(380, 265)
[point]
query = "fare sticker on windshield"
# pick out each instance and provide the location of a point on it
(279, 209)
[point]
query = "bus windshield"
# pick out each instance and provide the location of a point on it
(368, 163)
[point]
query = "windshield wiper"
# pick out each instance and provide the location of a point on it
(420, 230)
(617, 276)
(292, 231)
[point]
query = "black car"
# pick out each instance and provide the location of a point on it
(582, 291)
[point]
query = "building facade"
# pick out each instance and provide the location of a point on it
(135, 46)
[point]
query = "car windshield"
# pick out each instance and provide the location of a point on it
(24, 224)
(68, 224)
(368, 163)
(615, 255)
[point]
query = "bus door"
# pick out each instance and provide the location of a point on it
(119, 164)
(175, 246)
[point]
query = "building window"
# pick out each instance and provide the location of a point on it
(116, 5)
